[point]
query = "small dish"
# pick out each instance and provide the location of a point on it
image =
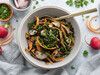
(23, 9)
(6, 17)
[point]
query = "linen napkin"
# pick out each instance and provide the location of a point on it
(91, 67)
(13, 63)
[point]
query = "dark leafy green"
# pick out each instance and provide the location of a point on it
(85, 53)
(39, 28)
(78, 3)
(72, 67)
(50, 38)
(4, 11)
(30, 25)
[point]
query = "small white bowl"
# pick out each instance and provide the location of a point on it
(52, 11)
(24, 9)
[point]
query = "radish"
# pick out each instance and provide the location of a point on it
(95, 43)
(16, 3)
(3, 32)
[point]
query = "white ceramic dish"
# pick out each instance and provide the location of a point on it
(52, 11)
(12, 4)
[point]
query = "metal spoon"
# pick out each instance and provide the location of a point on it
(77, 14)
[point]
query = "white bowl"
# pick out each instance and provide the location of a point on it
(24, 9)
(52, 11)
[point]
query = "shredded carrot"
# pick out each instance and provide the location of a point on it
(38, 46)
(55, 52)
(57, 59)
(30, 45)
(49, 61)
(37, 21)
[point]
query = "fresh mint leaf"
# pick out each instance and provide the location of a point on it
(87, 16)
(85, 53)
(72, 67)
(79, 3)
(86, 3)
(92, 1)
(37, 2)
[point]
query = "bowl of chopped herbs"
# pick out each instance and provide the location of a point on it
(6, 12)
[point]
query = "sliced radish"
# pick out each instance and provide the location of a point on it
(40, 55)
(16, 3)
(23, 3)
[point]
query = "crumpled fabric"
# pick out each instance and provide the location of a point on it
(13, 63)
(91, 67)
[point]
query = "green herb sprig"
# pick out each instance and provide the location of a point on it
(79, 3)
(85, 53)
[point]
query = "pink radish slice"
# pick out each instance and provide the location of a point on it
(23, 3)
(16, 3)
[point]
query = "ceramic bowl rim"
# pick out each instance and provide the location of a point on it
(19, 33)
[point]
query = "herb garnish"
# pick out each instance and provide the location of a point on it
(72, 67)
(85, 53)
(78, 3)
(4, 11)
(37, 2)
(87, 16)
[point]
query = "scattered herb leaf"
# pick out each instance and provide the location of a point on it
(85, 53)
(16, 20)
(92, 1)
(34, 7)
(87, 16)
(37, 2)
(72, 67)
(86, 3)
(69, 2)
(78, 3)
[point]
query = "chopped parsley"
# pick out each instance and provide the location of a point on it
(37, 2)
(85, 53)
(87, 16)
(30, 25)
(72, 67)
(78, 3)
(4, 11)
(39, 28)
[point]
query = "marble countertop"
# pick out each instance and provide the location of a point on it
(18, 16)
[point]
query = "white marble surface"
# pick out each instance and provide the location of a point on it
(61, 3)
